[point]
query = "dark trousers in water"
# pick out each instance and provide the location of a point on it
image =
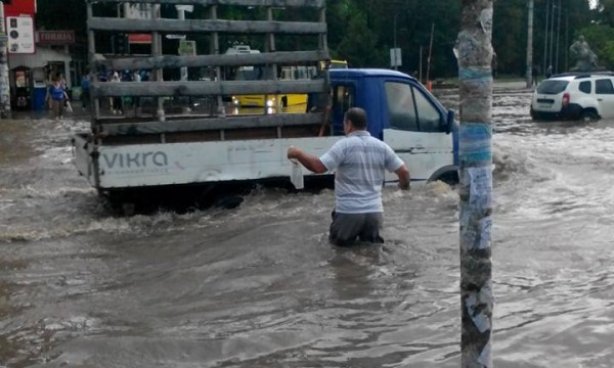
(85, 98)
(347, 227)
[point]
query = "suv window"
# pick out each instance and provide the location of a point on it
(604, 87)
(552, 87)
(585, 87)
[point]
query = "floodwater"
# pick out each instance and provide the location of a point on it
(259, 286)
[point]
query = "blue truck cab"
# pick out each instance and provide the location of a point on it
(402, 113)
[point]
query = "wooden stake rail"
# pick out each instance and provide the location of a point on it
(174, 61)
(271, 3)
(214, 90)
(200, 88)
(199, 25)
(196, 124)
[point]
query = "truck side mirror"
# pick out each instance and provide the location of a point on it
(449, 121)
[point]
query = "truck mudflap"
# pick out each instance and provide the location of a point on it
(142, 165)
(83, 150)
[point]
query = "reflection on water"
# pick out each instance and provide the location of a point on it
(259, 286)
(14, 142)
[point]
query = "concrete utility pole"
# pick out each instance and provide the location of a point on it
(5, 89)
(530, 46)
(474, 53)
(546, 37)
(558, 39)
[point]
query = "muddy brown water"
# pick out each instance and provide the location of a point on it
(259, 286)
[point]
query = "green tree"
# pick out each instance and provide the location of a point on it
(600, 37)
(510, 35)
(359, 44)
(605, 12)
(65, 14)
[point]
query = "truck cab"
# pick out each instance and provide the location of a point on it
(402, 113)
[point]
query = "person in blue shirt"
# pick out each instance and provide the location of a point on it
(359, 162)
(56, 97)
(85, 90)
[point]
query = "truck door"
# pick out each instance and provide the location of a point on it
(417, 130)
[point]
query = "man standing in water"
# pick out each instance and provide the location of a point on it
(359, 161)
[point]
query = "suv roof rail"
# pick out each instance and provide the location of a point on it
(586, 74)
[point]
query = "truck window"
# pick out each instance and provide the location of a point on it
(401, 107)
(410, 109)
(429, 119)
(344, 97)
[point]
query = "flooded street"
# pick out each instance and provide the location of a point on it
(259, 285)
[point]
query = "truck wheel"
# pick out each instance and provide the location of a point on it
(128, 209)
(588, 116)
(450, 178)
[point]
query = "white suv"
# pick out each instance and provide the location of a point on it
(588, 96)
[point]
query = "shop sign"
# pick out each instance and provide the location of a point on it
(56, 37)
(16, 8)
(139, 38)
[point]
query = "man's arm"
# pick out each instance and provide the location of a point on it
(403, 174)
(311, 162)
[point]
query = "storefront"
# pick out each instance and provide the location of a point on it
(19, 27)
(31, 73)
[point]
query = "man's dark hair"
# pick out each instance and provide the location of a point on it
(357, 116)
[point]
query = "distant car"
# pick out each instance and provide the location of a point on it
(587, 97)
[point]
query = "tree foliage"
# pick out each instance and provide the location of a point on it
(64, 14)
(600, 37)
(600, 33)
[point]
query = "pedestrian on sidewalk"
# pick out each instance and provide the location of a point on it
(85, 90)
(549, 71)
(116, 101)
(57, 97)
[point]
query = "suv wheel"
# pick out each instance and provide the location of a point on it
(588, 116)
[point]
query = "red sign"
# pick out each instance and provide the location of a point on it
(19, 7)
(139, 38)
(56, 37)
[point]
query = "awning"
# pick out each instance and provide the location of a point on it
(37, 60)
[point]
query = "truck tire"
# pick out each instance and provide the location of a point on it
(450, 178)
